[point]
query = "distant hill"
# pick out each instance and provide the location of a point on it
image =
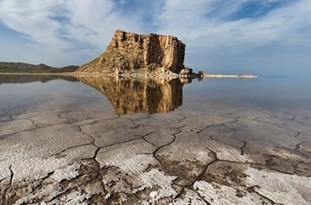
(11, 78)
(11, 67)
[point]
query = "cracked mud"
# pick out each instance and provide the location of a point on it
(227, 159)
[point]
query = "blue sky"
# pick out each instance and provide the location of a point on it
(231, 36)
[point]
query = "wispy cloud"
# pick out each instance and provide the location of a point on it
(72, 31)
(223, 42)
(193, 20)
(57, 23)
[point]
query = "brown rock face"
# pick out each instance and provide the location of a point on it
(139, 94)
(130, 52)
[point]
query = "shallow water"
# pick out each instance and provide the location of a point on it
(264, 93)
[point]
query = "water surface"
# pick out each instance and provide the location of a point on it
(127, 96)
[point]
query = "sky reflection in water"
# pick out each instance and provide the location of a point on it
(152, 96)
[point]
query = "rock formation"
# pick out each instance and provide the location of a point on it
(138, 94)
(130, 52)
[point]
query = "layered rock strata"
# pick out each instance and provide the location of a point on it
(131, 52)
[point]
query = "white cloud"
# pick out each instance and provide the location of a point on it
(72, 31)
(94, 21)
(32, 18)
(188, 20)
(84, 20)
(61, 26)
(217, 42)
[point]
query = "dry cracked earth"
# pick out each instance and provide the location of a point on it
(200, 156)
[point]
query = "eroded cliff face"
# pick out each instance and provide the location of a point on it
(139, 94)
(130, 52)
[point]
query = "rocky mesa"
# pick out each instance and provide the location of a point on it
(135, 53)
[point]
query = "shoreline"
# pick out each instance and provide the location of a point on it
(57, 74)
(145, 75)
(229, 76)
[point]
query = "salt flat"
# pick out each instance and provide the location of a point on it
(75, 147)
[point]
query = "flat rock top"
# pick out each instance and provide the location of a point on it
(146, 53)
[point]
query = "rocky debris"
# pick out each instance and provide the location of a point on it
(151, 95)
(131, 52)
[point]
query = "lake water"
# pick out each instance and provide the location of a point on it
(98, 139)
(264, 94)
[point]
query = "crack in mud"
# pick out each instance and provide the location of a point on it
(5, 195)
(298, 145)
(266, 198)
(297, 135)
(165, 145)
(69, 148)
(256, 119)
(219, 124)
(144, 138)
(93, 143)
(96, 173)
(243, 147)
(201, 197)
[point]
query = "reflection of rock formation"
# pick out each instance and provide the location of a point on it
(131, 52)
(138, 95)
